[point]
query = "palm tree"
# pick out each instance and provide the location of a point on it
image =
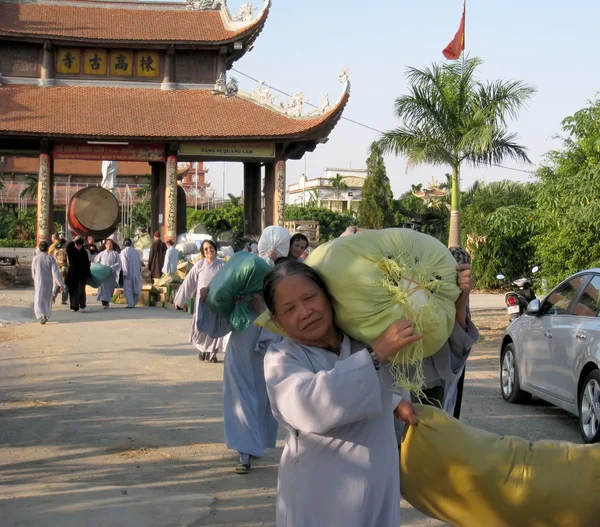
(338, 185)
(313, 198)
(450, 117)
(31, 189)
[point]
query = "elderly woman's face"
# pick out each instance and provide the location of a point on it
(109, 245)
(303, 310)
(209, 252)
(297, 249)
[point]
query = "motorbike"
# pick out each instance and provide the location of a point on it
(518, 300)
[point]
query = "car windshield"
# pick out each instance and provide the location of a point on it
(560, 299)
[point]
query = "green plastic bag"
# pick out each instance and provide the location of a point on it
(100, 274)
(230, 292)
(378, 277)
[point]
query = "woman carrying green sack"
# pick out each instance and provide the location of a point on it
(250, 427)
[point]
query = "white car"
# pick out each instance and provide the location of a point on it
(553, 352)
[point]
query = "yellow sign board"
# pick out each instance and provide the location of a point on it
(235, 150)
(94, 62)
(69, 61)
(121, 63)
(148, 64)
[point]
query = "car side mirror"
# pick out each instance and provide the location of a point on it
(534, 308)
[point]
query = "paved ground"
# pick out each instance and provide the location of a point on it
(108, 419)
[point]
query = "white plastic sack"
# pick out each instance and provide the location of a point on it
(276, 239)
(187, 248)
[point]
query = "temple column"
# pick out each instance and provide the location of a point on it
(170, 225)
(269, 192)
(280, 187)
(168, 82)
(47, 75)
(252, 199)
(44, 226)
(157, 196)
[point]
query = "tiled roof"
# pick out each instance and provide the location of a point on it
(78, 111)
(118, 24)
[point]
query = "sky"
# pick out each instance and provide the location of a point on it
(551, 44)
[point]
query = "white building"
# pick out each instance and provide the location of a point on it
(318, 191)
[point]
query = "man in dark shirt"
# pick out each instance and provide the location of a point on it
(77, 274)
(156, 259)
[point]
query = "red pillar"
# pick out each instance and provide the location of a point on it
(280, 188)
(44, 225)
(170, 222)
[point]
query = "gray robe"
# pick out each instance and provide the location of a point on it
(444, 368)
(249, 423)
(339, 467)
(131, 266)
(171, 261)
(44, 270)
(199, 277)
(110, 259)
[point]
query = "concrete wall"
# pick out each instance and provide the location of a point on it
(25, 256)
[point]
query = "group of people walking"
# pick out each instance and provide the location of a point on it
(66, 267)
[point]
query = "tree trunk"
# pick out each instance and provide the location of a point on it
(454, 240)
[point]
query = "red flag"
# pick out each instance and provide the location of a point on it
(454, 50)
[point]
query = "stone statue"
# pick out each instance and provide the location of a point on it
(110, 169)
(204, 5)
(226, 87)
(293, 107)
(322, 108)
(344, 76)
(245, 13)
(231, 87)
(263, 95)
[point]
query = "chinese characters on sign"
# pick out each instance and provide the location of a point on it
(229, 150)
(114, 63)
(148, 64)
(121, 63)
(94, 62)
(69, 61)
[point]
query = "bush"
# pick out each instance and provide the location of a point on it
(7, 242)
(231, 212)
(331, 224)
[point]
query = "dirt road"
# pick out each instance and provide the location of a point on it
(108, 419)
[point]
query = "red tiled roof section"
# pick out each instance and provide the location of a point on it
(78, 111)
(101, 24)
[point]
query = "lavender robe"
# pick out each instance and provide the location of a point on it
(110, 259)
(131, 265)
(199, 277)
(44, 270)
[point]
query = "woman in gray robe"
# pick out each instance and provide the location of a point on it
(340, 466)
(44, 271)
(131, 267)
(110, 258)
(198, 279)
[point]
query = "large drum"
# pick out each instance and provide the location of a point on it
(93, 211)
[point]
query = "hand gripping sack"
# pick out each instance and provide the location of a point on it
(100, 274)
(467, 477)
(230, 292)
(378, 277)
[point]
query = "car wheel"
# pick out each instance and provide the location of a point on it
(589, 408)
(509, 377)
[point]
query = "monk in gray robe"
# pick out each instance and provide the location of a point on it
(110, 258)
(339, 467)
(131, 267)
(44, 271)
(198, 279)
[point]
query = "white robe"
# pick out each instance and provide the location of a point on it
(199, 277)
(131, 266)
(110, 259)
(339, 467)
(44, 271)
(250, 427)
(171, 261)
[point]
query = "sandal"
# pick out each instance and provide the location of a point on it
(242, 468)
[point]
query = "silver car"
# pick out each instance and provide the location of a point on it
(553, 352)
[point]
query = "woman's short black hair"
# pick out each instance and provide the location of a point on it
(298, 236)
(285, 269)
(43, 247)
(127, 242)
(211, 242)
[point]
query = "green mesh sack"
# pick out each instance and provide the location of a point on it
(230, 292)
(378, 277)
(99, 274)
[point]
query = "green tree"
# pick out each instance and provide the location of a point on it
(376, 208)
(31, 190)
(338, 185)
(145, 189)
(231, 212)
(450, 118)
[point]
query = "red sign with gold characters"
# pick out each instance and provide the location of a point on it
(108, 152)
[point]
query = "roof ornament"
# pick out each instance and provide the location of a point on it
(322, 109)
(293, 107)
(245, 13)
(344, 76)
(226, 87)
(205, 5)
(263, 95)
